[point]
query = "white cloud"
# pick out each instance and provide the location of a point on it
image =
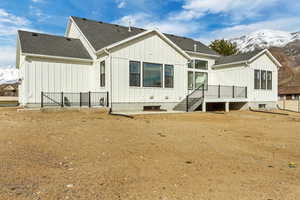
(7, 55)
(290, 24)
(121, 3)
(237, 9)
(147, 21)
(9, 25)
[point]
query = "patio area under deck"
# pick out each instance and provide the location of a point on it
(226, 101)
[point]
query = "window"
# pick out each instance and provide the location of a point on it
(134, 73)
(269, 80)
(102, 74)
(201, 64)
(256, 79)
(263, 79)
(152, 75)
(169, 76)
(200, 79)
(191, 64)
(190, 80)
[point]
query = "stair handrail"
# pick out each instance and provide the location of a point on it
(187, 97)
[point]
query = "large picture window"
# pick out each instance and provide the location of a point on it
(263, 78)
(269, 80)
(201, 64)
(102, 74)
(152, 75)
(200, 79)
(190, 80)
(134, 73)
(256, 79)
(169, 76)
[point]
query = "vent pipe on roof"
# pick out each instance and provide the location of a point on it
(129, 25)
(195, 47)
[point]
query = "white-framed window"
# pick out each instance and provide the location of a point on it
(198, 64)
(169, 76)
(263, 78)
(256, 79)
(197, 79)
(269, 80)
(152, 75)
(134, 73)
(102, 74)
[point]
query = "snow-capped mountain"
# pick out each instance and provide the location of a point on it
(8, 75)
(265, 39)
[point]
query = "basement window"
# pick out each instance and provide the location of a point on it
(262, 106)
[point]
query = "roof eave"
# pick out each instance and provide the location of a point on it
(142, 34)
(232, 63)
(58, 57)
(203, 54)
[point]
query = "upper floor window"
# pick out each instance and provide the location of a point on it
(201, 64)
(134, 73)
(198, 64)
(152, 74)
(102, 74)
(169, 76)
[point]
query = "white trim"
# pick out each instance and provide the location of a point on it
(88, 42)
(57, 57)
(203, 54)
(268, 54)
(247, 62)
(142, 34)
(227, 64)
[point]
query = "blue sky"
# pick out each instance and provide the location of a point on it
(204, 20)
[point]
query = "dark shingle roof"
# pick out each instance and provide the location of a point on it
(50, 45)
(236, 58)
(101, 34)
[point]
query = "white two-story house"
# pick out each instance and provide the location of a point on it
(132, 69)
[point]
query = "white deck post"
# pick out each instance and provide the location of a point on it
(226, 106)
(204, 106)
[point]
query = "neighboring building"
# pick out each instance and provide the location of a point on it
(9, 90)
(140, 69)
(289, 93)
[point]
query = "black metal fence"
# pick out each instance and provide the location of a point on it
(68, 99)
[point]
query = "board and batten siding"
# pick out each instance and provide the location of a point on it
(229, 76)
(264, 63)
(54, 76)
(150, 48)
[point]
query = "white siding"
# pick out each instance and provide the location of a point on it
(237, 76)
(54, 76)
(264, 63)
(150, 48)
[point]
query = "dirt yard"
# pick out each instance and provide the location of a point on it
(91, 155)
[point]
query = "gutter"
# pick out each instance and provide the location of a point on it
(58, 57)
(234, 63)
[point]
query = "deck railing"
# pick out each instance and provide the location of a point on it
(71, 99)
(216, 92)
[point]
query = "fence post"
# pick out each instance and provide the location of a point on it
(246, 92)
(107, 99)
(90, 99)
(219, 91)
(80, 99)
(42, 99)
(62, 99)
(187, 103)
(233, 91)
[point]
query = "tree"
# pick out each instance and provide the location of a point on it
(224, 47)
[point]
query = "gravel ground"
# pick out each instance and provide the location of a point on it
(92, 155)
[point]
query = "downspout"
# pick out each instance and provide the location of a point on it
(110, 77)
